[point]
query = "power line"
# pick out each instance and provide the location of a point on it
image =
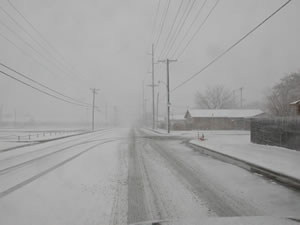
(181, 26)
(181, 18)
(176, 16)
(42, 85)
(21, 38)
(199, 28)
(26, 42)
(190, 27)
(39, 90)
(163, 23)
(29, 44)
(24, 52)
(39, 33)
(23, 29)
(155, 20)
(232, 46)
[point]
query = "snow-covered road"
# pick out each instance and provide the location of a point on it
(70, 181)
(169, 180)
(120, 176)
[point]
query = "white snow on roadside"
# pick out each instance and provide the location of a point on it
(19, 137)
(81, 191)
(238, 145)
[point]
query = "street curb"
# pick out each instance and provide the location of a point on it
(279, 177)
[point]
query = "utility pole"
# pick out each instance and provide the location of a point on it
(241, 89)
(1, 108)
(157, 99)
(143, 103)
(167, 61)
(106, 114)
(94, 91)
(15, 118)
(87, 117)
(153, 103)
(146, 116)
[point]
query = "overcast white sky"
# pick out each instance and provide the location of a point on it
(107, 44)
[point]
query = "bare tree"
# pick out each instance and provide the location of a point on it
(282, 94)
(217, 97)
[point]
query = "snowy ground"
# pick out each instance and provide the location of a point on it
(190, 185)
(10, 138)
(76, 185)
(237, 144)
(121, 176)
(278, 159)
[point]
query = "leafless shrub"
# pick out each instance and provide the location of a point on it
(217, 97)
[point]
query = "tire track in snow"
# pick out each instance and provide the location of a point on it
(51, 146)
(222, 203)
(143, 202)
(119, 210)
(37, 176)
(19, 165)
(136, 194)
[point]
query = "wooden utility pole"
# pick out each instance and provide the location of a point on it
(168, 61)
(15, 118)
(143, 103)
(241, 89)
(94, 91)
(157, 99)
(153, 103)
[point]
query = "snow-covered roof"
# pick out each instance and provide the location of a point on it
(177, 117)
(223, 113)
(161, 118)
(295, 102)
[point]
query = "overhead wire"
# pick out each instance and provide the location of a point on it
(232, 46)
(176, 28)
(24, 30)
(21, 38)
(39, 83)
(24, 52)
(155, 20)
(164, 16)
(40, 90)
(171, 29)
(29, 45)
(191, 25)
(176, 35)
(62, 66)
(41, 36)
(197, 31)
